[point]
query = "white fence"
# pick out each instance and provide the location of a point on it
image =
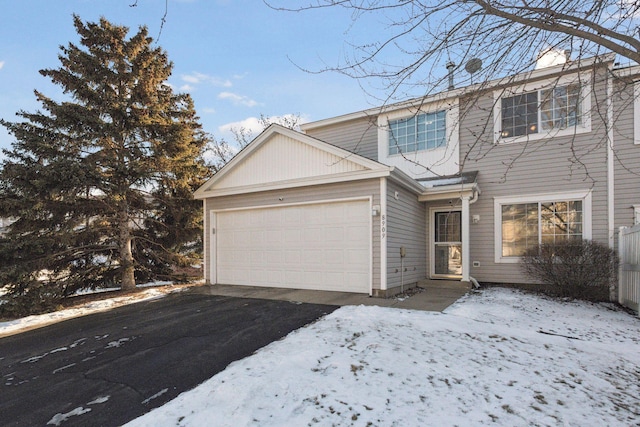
(629, 272)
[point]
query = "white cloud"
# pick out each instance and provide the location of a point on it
(191, 78)
(251, 124)
(187, 88)
(209, 110)
(1, 64)
(237, 99)
(198, 78)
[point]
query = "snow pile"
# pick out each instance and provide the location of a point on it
(29, 322)
(497, 357)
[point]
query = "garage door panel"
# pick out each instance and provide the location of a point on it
(273, 257)
(357, 279)
(357, 232)
(292, 277)
(334, 234)
(291, 258)
(316, 246)
(293, 216)
(291, 236)
(355, 256)
(313, 217)
(334, 258)
(256, 257)
(314, 235)
(312, 257)
(313, 278)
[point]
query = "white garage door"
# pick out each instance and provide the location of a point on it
(323, 246)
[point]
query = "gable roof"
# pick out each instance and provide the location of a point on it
(282, 158)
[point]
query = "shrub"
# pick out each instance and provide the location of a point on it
(35, 299)
(581, 269)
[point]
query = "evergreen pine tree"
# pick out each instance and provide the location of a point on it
(100, 184)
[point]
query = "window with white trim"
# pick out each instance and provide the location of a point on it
(424, 131)
(525, 225)
(543, 109)
(522, 223)
(546, 110)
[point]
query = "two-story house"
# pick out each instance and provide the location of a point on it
(450, 186)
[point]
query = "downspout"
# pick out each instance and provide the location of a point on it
(474, 198)
(610, 163)
(465, 220)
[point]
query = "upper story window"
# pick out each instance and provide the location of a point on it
(548, 109)
(555, 109)
(424, 131)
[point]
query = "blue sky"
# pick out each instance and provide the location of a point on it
(237, 58)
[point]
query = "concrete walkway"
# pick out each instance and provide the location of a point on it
(436, 295)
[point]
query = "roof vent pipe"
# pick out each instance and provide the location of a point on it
(450, 67)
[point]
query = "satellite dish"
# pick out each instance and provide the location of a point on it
(473, 65)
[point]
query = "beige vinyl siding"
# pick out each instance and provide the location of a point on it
(359, 136)
(554, 165)
(295, 160)
(406, 228)
(364, 188)
(627, 160)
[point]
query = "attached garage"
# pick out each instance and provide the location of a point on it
(291, 211)
(323, 246)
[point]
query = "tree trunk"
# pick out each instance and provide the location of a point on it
(128, 281)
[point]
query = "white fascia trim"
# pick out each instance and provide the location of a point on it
(304, 182)
(584, 195)
(636, 113)
(585, 80)
(448, 192)
(633, 70)
(291, 204)
(397, 175)
(572, 66)
(373, 113)
(206, 230)
(383, 234)
(213, 248)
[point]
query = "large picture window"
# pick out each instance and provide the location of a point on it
(524, 225)
(424, 131)
(547, 109)
(524, 221)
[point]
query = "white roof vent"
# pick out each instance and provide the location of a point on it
(550, 57)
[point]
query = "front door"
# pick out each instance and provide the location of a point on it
(447, 244)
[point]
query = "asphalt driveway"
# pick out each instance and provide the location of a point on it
(108, 368)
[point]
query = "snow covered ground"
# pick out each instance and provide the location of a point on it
(155, 290)
(497, 357)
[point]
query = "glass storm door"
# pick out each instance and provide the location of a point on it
(447, 244)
